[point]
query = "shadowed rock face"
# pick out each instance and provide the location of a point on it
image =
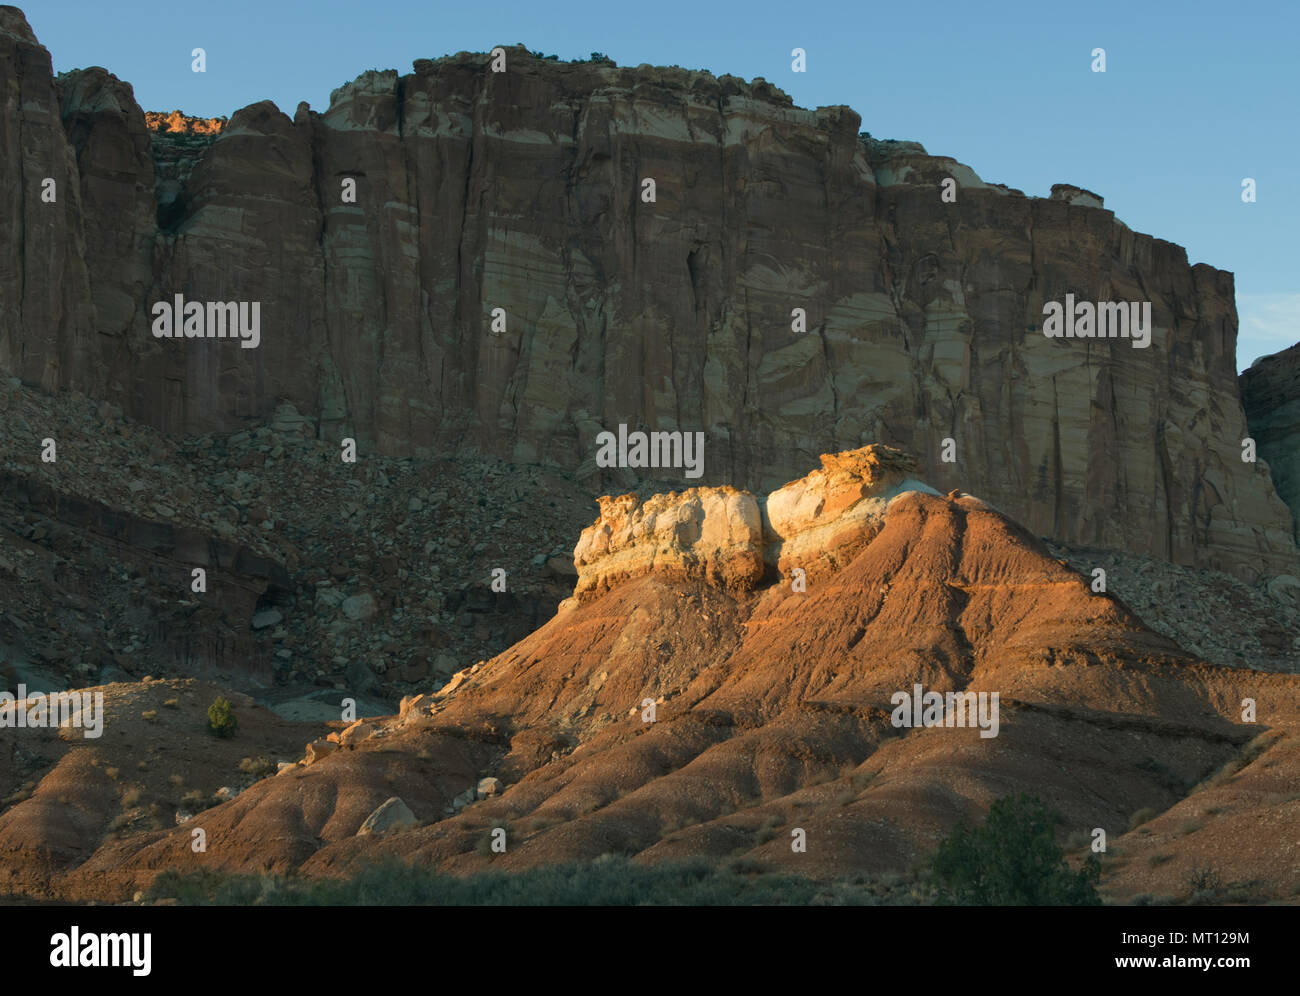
(1270, 391)
(523, 191)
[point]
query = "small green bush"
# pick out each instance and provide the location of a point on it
(221, 718)
(1012, 860)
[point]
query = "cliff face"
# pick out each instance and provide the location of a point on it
(1270, 391)
(523, 191)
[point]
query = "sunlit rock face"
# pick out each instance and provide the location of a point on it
(822, 521)
(732, 539)
(710, 534)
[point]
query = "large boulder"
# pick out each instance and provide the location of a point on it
(392, 814)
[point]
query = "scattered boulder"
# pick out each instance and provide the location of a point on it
(391, 815)
(360, 678)
(488, 787)
(560, 567)
(414, 704)
(357, 732)
(328, 598)
(320, 748)
(267, 618)
(457, 679)
(360, 607)
(416, 669)
(71, 732)
(1285, 588)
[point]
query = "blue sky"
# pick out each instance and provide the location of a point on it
(1195, 97)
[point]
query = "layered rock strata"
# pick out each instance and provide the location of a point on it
(730, 538)
(523, 191)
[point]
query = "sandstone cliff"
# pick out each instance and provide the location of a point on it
(523, 191)
(178, 123)
(728, 537)
(1270, 391)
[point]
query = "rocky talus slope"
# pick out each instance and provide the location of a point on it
(523, 191)
(772, 712)
(325, 578)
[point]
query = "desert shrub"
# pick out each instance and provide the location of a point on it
(606, 881)
(770, 829)
(483, 847)
(221, 718)
(1216, 810)
(1143, 815)
(1201, 880)
(1250, 753)
(257, 767)
(1078, 839)
(195, 801)
(1012, 860)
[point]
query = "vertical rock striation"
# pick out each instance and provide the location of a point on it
(522, 191)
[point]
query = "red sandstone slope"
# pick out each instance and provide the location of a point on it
(774, 714)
